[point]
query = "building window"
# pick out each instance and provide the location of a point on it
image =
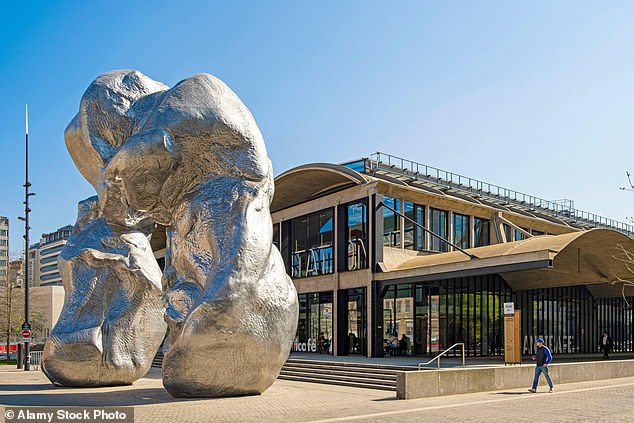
(49, 276)
(48, 259)
(3, 242)
(536, 233)
(481, 230)
(414, 235)
(312, 244)
(3, 232)
(461, 231)
(439, 226)
(358, 166)
(391, 223)
(518, 235)
(357, 235)
(52, 250)
(508, 232)
(48, 268)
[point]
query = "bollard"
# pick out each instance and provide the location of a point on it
(19, 356)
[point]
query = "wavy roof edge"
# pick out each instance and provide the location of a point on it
(342, 176)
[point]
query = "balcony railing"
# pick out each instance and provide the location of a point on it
(560, 209)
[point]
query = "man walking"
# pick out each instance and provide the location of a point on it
(606, 344)
(543, 357)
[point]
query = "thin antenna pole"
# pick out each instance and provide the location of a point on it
(26, 325)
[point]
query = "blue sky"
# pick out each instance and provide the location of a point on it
(533, 96)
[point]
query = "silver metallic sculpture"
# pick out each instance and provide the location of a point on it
(191, 158)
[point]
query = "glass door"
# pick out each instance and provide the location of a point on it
(356, 306)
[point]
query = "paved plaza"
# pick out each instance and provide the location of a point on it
(287, 401)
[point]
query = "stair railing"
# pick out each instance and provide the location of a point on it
(420, 365)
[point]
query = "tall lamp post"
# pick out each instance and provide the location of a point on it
(26, 326)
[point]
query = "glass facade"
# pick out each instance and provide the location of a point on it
(410, 320)
(357, 235)
(391, 223)
(435, 315)
(414, 236)
(439, 225)
(559, 315)
(315, 318)
(615, 315)
(518, 235)
(421, 318)
(508, 232)
(481, 232)
(461, 231)
(311, 246)
(471, 311)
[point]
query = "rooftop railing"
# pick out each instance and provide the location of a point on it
(561, 209)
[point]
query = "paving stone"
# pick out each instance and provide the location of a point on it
(288, 401)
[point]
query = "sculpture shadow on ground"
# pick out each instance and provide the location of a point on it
(83, 397)
(18, 387)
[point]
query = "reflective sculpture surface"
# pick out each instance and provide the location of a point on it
(192, 159)
(112, 323)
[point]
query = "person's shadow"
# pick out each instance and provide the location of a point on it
(513, 393)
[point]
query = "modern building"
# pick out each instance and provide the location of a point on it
(44, 257)
(4, 250)
(384, 247)
(34, 264)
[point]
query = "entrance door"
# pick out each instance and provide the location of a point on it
(421, 322)
(353, 337)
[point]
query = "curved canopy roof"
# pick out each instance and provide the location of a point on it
(310, 181)
(576, 258)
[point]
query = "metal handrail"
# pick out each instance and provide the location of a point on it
(443, 353)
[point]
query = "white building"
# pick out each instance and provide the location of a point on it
(4, 249)
(44, 258)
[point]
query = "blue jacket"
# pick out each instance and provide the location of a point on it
(543, 355)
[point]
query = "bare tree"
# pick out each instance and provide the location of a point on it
(12, 306)
(627, 257)
(629, 180)
(12, 296)
(630, 188)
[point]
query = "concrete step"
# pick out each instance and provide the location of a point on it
(158, 360)
(355, 384)
(335, 371)
(345, 364)
(360, 378)
(362, 375)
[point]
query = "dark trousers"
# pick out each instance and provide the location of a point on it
(606, 351)
(538, 371)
